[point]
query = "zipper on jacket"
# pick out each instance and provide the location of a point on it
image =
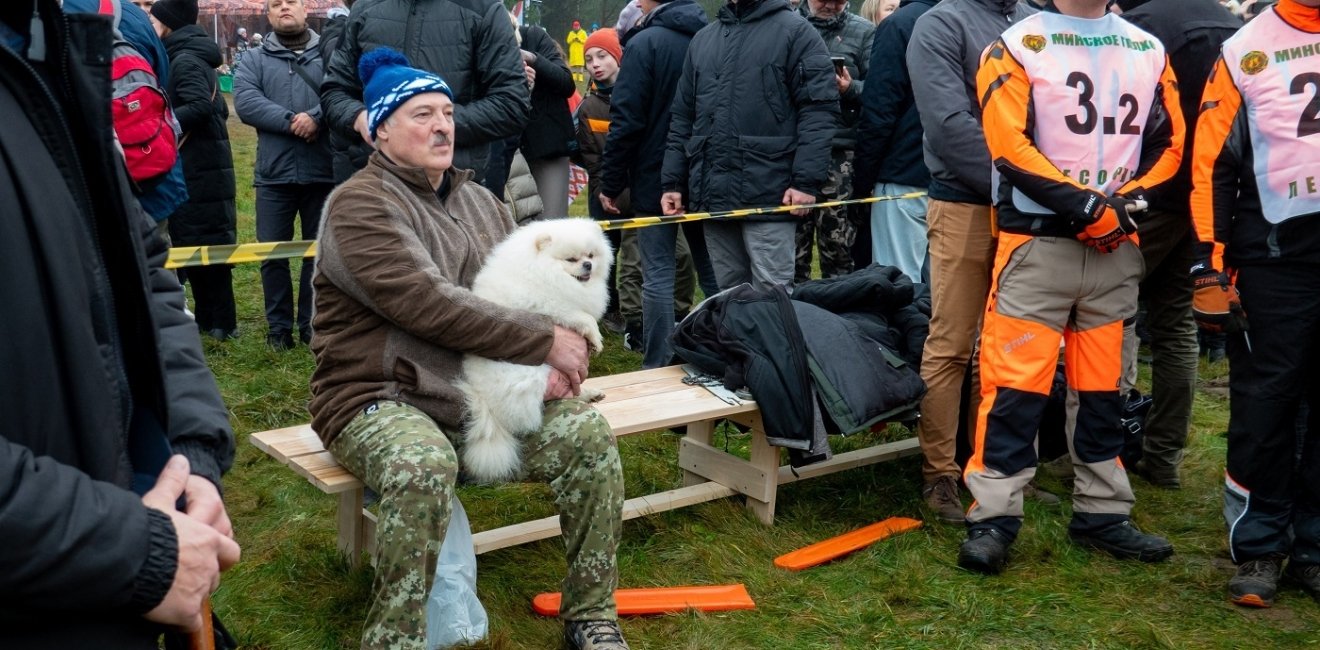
(102, 279)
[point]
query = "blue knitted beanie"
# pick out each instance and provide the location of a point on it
(388, 80)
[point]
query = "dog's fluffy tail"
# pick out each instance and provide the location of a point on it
(491, 452)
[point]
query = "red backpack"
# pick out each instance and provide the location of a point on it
(141, 113)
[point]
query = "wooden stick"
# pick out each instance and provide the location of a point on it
(203, 639)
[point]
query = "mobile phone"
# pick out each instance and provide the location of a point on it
(838, 63)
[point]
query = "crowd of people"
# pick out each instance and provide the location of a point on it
(1041, 168)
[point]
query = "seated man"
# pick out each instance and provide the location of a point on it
(399, 246)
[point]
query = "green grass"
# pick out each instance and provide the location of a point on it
(293, 591)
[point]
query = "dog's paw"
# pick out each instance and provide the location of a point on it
(592, 395)
(594, 340)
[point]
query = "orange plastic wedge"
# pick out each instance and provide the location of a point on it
(663, 600)
(837, 547)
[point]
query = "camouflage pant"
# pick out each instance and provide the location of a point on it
(403, 455)
(834, 231)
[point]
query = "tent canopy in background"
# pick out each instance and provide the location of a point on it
(257, 7)
(222, 18)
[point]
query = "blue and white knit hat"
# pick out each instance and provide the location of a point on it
(388, 80)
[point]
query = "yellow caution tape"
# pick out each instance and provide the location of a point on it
(642, 222)
(240, 253)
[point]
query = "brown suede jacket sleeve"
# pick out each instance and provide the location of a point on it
(412, 263)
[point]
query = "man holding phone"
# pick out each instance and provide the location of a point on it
(848, 37)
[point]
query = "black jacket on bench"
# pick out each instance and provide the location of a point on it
(92, 339)
(793, 355)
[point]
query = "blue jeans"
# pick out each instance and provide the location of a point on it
(658, 245)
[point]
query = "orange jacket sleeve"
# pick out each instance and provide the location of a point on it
(1162, 139)
(1221, 140)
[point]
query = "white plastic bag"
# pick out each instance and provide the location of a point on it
(454, 615)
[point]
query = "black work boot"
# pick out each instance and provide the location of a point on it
(1307, 575)
(1123, 541)
(594, 635)
(985, 550)
(1256, 582)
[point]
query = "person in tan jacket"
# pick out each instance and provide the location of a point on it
(400, 244)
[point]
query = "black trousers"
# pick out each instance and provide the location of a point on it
(213, 296)
(1273, 480)
(277, 207)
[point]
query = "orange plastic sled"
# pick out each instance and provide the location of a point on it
(663, 600)
(836, 547)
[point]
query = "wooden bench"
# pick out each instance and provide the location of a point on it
(635, 402)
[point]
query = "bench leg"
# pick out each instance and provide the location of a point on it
(352, 534)
(699, 432)
(766, 459)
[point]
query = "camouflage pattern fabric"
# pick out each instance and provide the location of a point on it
(410, 461)
(831, 228)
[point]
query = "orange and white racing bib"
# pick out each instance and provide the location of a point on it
(1276, 68)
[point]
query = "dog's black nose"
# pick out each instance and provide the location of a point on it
(586, 266)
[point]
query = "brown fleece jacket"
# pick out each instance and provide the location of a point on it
(394, 313)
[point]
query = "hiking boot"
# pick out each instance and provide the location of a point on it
(942, 498)
(1039, 495)
(594, 635)
(985, 550)
(280, 340)
(1256, 582)
(1123, 541)
(1164, 477)
(1307, 575)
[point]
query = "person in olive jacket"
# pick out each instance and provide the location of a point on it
(752, 123)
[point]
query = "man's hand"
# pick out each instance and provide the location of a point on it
(528, 57)
(568, 355)
(203, 553)
(557, 387)
(1114, 226)
(1216, 304)
(360, 125)
(607, 204)
(843, 79)
(531, 76)
(794, 197)
(205, 505)
(303, 126)
(671, 203)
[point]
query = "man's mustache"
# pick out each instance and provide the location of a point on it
(440, 140)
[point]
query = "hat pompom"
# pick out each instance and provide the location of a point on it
(377, 59)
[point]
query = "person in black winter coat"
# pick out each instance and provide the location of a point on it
(752, 123)
(889, 156)
(103, 372)
(209, 217)
(469, 43)
(634, 153)
(349, 151)
(549, 130)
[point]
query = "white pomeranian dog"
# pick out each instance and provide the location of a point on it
(558, 268)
